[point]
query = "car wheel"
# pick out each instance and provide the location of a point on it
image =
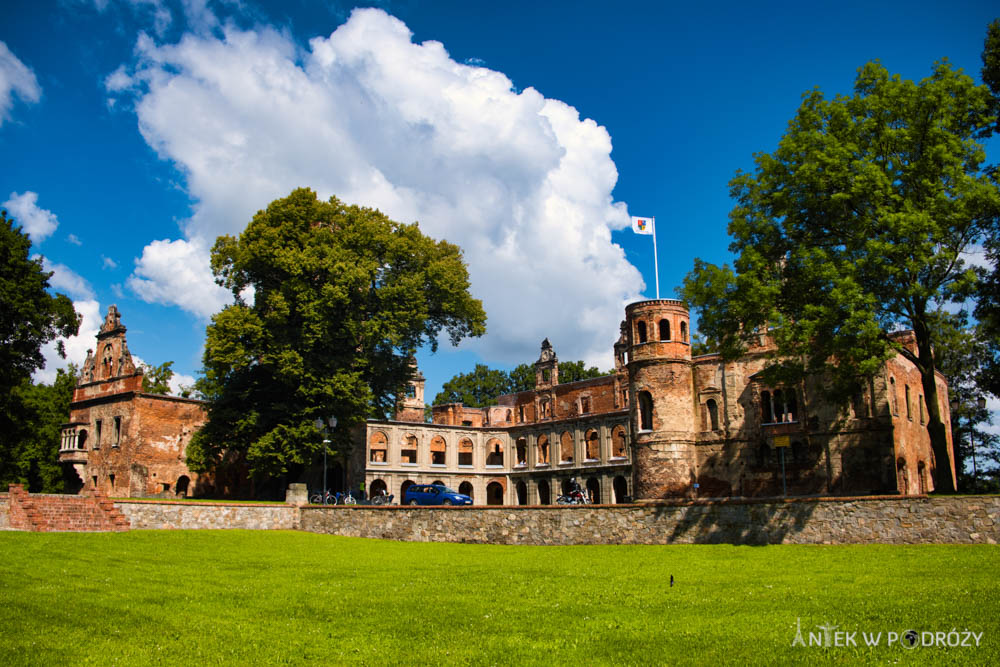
(447, 501)
(413, 502)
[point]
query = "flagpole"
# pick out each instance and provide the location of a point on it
(656, 262)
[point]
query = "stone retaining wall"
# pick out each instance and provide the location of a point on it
(888, 520)
(186, 515)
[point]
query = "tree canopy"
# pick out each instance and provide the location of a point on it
(29, 449)
(481, 387)
(29, 315)
(329, 303)
(853, 228)
(156, 379)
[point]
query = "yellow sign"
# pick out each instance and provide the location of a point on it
(782, 441)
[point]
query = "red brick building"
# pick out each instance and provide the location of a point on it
(120, 440)
(664, 424)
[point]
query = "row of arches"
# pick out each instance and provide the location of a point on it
(663, 329)
(564, 451)
(544, 491)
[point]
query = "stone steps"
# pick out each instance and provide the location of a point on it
(45, 513)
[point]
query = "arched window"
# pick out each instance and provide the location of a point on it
(664, 329)
(378, 448)
(640, 331)
(594, 490)
(766, 411)
(566, 448)
(465, 488)
(494, 493)
(593, 445)
(522, 451)
(902, 477)
(684, 332)
(620, 487)
(712, 410)
(522, 493)
(543, 409)
(438, 450)
(544, 497)
(465, 452)
(408, 453)
(893, 404)
(81, 439)
(402, 489)
(791, 405)
(922, 477)
(543, 449)
(181, 488)
(494, 453)
(909, 412)
(377, 488)
(618, 442)
(645, 411)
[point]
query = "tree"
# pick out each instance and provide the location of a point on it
(853, 228)
(156, 379)
(991, 70)
(571, 371)
(329, 303)
(522, 378)
(29, 315)
(962, 352)
(477, 389)
(29, 451)
(484, 385)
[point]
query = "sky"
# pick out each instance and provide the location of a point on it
(135, 132)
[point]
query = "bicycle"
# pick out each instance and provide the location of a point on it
(346, 498)
(382, 499)
(318, 498)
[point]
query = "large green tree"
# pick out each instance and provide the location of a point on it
(484, 385)
(156, 379)
(30, 315)
(29, 449)
(476, 389)
(855, 227)
(330, 302)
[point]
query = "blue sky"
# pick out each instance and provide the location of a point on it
(134, 132)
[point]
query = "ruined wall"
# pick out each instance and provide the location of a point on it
(4, 511)
(945, 520)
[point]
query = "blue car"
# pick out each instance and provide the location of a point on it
(434, 494)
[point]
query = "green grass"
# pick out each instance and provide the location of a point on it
(238, 597)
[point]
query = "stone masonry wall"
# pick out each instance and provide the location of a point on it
(4, 511)
(185, 515)
(887, 520)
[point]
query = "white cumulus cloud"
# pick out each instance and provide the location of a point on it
(16, 78)
(177, 272)
(76, 346)
(37, 222)
(65, 279)
(519, 181)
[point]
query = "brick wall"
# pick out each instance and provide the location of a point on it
(51, 512)
(887, 520)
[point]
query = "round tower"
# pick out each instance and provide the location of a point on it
(660, 398)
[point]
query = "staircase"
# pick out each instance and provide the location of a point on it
(47, 512)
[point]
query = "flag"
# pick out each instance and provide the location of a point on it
(643, 225)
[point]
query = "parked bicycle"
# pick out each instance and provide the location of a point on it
(318, 498)
(346, 498)
(382, 498)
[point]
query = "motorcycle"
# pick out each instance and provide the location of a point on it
(574, 497)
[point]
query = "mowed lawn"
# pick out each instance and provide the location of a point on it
(242, 597)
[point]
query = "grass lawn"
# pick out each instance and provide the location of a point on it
(232, 597)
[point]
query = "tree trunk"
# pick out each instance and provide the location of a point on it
(944, 482)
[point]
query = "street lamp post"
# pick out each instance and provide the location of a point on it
(328, 425)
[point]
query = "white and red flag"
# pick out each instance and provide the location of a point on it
(643, 225)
